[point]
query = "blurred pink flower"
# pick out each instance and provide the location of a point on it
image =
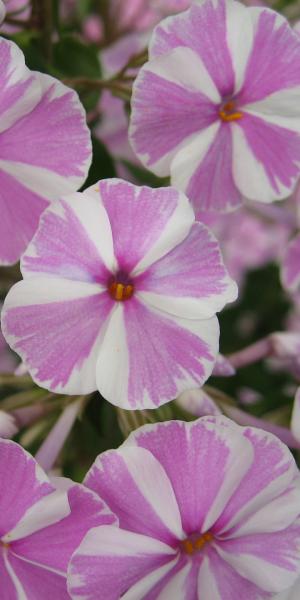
(22, 9)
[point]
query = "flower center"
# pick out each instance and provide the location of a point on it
(120, 288)
(228, 111)
(195, 543)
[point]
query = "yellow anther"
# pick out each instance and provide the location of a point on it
(194, 544)
(228, 112)
(120, 291)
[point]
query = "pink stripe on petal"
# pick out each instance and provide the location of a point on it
(209, 18)
(210, 185)
(54, 135)
(274, 61)
(146, 223)
(260, 172)
(20, 212)
(52, 546)
(34, 578)
(19, 471)
(291, 265)
(135, 487)
(229, 583)
(191, 280)
(272, 470)
(64, 246)
(20, 90)
(167, 92)
(166, 356)
(11, 588)
(112, 560)
(59, 318)
(269, 560)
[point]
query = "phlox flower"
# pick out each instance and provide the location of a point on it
(120, 291)
(44, 148)
(40, 526)
(217, 105)
(206, 510)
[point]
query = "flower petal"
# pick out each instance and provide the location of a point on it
(54, 541)
(274, 61)
(272, 471)
(33, 579)
(269, 560)
(18, 470)
(44, 319)
(135, 486)
(73, 241)
(146, 223)
(203, 169)
(112, 560)
(18, 224)
(209, 18)
(20, 89)
(259, 172)
(147, 359)
(52, 140)
(191, 280)
(174, 88)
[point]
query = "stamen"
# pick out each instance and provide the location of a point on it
(228, 112)
(120, 291)
(194, 544)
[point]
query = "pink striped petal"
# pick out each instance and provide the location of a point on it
(45, 319)
(203, 169)
(269, 560)
(273, 63)
(271, 473)
(217, 575)
(113, 560)
(146, 223)
(258, 170)
(183, 30)
(190, 280)
(136, 488)
(147, 358)
(33, 579)
(52, 545)
(167, 92)
(73, 241)
(18, 470)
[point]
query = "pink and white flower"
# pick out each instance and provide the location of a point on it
(40, 526)
(8, 425)
(44, 148)
(123, 284)
(217, 98)
(206, 510)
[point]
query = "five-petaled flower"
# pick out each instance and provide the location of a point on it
(218, 105)
(40, 526)
(120, 291)
(206, 510)
(45, 148)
